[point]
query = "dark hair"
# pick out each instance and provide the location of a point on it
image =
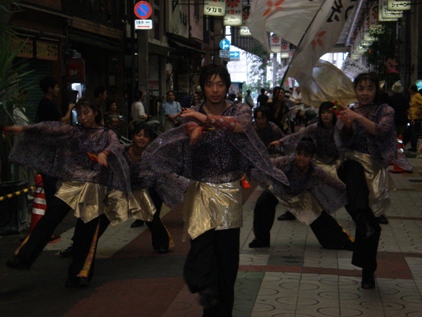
(326, 106)
(262, 90)
(47, 82)
(306, 147)
(413, 88)
(110, 102)
(99, 90)
(86, 103)
(373, 78)
(148, 130)
(170, 91)
(263, 110)
(212, 70)
(139, 94)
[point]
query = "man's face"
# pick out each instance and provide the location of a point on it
(55, 91)
(215, 90)
(170, 97)
(260, 121)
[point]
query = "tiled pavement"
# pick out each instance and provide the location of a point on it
(295, 277)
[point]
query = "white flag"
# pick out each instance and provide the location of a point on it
(289, 19)
(322, 35)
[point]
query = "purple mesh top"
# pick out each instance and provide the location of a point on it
(60, 150)
(219, 157)
(383, 145)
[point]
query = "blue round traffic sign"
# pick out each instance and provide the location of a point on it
(142, 9)
(225, 44)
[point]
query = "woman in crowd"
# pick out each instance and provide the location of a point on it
(369, 133)
(214, 148)
(311, 195)
(95, 185)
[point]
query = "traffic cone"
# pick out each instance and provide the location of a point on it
(39, 205)
(397, 169)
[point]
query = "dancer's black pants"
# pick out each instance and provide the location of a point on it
(368, 230)
(212, 263)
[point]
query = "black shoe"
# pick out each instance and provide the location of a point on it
(18, 264)
(382, 220)
(286, 216)
(368, 280)
(137, 223)
(207, 298)
(259, 244)
(162, 250)
(67, 252)
(76, 282)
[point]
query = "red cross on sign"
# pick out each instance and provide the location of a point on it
(142, 9)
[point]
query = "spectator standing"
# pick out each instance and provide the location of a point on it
(248, 99)
(113, 119)
(49, 111)
(172, 111)
(100, 98)
(267, 131)
(137, 109)
(415, 117)
(262, 98)
(282, 107)
(401, 106)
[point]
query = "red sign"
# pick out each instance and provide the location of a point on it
(75, 70)
(142, 9)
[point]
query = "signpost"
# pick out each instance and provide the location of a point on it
(225, 44)
(143, 11)
(235, 55)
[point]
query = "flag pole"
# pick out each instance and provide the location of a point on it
(294, 55)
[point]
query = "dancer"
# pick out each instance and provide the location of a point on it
(311, 195)
(214, 148)
(95, 185)
(369, 133)
(325, 136)
(142, 135)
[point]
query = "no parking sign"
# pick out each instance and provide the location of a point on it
(142, 10)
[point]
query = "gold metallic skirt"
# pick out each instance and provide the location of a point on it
(304, 206)
(90, 200)
(376, 180)
(212, 206)
(330, 169)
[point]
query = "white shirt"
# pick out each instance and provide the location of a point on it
(137, 110)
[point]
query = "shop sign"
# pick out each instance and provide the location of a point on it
(275, 43)
(387, 15)
(399, 5)
(27, 50)
(47, 50)
(233, 16)
(215, 8)
(75, 70)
